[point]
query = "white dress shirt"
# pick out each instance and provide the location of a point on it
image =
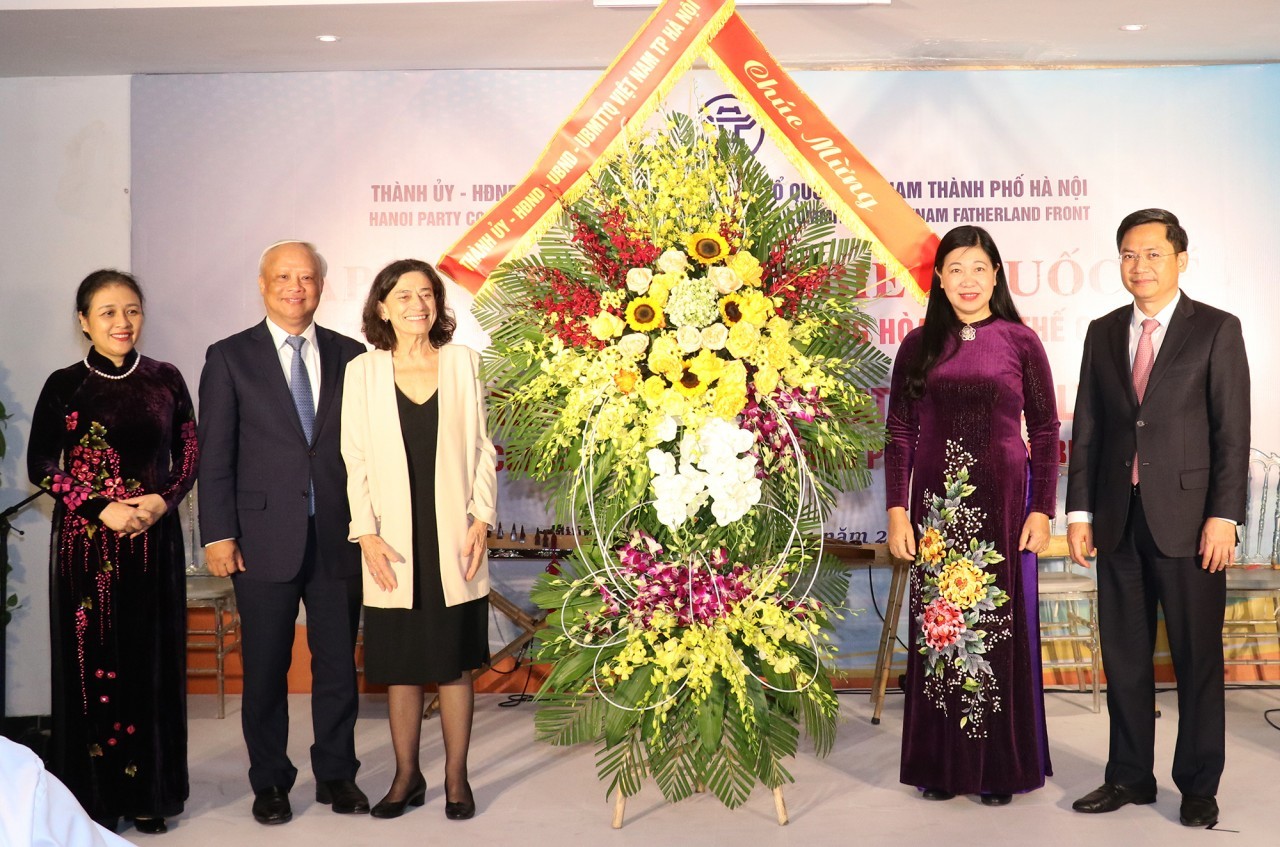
(1164, 316)
(1157, 337)
(310, 356)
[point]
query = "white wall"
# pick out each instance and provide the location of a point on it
(64, 211)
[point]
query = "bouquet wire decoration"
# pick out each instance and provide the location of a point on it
(684, 361)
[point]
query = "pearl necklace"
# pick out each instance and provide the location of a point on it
(94, 370)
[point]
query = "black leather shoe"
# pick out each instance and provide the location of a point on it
(1109, 797)
(150, 826)
(937, 794)
(461, 810)
(1198, 811)
(346, 797)
(415, 796)
(996, 799)
(271, 806)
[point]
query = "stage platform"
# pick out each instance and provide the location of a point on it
(531, 793)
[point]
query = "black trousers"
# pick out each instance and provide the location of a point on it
(1132, 580)
(268, 611)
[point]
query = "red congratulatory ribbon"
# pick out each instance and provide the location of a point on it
(677, 33)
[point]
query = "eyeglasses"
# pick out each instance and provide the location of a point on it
(1151, 256)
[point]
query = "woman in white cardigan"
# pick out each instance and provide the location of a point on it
(421, 482)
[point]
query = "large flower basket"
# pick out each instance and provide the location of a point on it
(684, 360)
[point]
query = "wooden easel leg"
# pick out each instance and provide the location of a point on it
(780, 806)
(893, 610)
(619, 809)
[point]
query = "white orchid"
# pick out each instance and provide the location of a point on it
(710, 468)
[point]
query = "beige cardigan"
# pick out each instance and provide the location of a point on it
(378, 472)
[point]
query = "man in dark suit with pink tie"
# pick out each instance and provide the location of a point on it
(1157, 485)
(274, 515)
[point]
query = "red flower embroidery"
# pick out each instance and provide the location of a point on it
(942, 623)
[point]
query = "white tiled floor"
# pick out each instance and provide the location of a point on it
(530, 793)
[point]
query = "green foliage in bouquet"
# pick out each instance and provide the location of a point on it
(685, 361)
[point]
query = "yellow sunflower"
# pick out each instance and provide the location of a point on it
(707, 247)
(731, 308)
(644, 314)
(688, 382)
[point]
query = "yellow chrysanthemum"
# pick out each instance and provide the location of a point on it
(660, 287)
(932, 547)
(689, 382)
(644, 314)
(729, 400)
(665, 363)
(961, 583)
(707, 247)
(743, 338)
(747, 267)
(756, 308)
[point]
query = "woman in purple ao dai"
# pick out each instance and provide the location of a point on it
(971, 507)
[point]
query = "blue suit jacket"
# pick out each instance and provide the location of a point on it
(256, 463)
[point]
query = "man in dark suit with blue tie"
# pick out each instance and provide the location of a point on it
(274, 515)
(1157, 485)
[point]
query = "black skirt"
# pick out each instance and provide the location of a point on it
(431, 642)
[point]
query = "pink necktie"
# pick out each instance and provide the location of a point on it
(1143, 359)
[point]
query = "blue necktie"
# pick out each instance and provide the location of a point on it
(300, 388)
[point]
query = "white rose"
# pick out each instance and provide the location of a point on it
(689, 338)
(724, 279)
(638, 280)
(633, 344)
(714, 337)
(673, 262)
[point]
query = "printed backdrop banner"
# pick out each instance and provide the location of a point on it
(378, 166)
